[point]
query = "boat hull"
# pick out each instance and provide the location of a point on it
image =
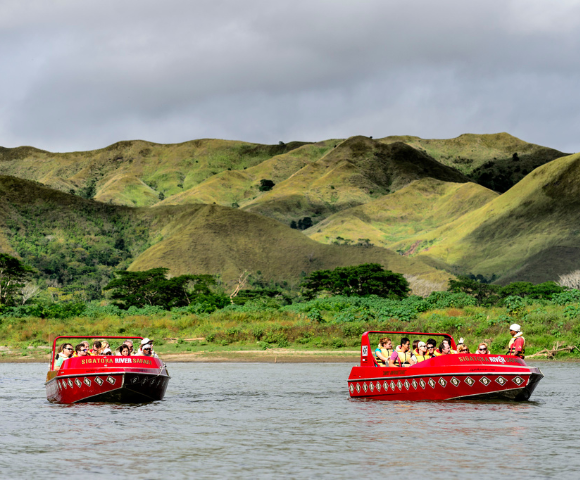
(449, 378)
(110, 380)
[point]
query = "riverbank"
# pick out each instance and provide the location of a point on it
(277, 355)
(290, 336)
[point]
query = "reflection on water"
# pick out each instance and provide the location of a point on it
(280, 420)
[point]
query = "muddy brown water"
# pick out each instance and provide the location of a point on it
(286, 421)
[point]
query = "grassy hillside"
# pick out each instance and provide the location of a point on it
(211, 238)
(486, 159)
(356, 172)
(136, 173)
(242, 186)
(78, 242)
(529, 233)
(420, 207)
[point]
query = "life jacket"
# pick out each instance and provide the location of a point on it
(437, 353)
(512, 347)
(422, 358)
(404, 358)
(387, 352)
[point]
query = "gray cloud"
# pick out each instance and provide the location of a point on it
(81, 75)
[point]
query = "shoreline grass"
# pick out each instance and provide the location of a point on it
(323, 331)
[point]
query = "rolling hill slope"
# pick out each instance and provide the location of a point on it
(487, 159)
(531, 232)
(241, 186)
(355, 172)
(135, 173)
(78, 242)
(211, 238)
(420, 207)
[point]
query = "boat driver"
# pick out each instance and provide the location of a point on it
(402, 357)
(517, 345)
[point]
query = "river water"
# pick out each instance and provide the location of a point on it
(286, 421)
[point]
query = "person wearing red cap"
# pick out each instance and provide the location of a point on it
(517, 345)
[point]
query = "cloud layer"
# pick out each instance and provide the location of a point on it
(81, 75)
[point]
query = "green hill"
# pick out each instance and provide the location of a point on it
(486, 159)
(135, 173)
(420, 207)
(242, 186)
(356, 172)
(211, 238)
(78, 243)
(529, 233)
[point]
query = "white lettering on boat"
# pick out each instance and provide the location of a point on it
(497, 359)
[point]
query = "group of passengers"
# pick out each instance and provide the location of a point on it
(404, 355)
(102, 347)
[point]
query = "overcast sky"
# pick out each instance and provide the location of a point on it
(82, 74)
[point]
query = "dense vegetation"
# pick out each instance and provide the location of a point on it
(186, 307)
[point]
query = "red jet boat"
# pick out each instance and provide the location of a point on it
(446, 377)
(106, 378)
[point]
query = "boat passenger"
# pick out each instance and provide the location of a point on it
(414, 350)
(432, 348)
(88, 345)
(462, 349)
(59, 350)
(517, 345)
(384, 351)
(422, 354)
(144, 342)
(107, 351)
(65, 354)
(402, 358)
(482, 349)
(123, 351)
(105, 345)
(148, 351)
(81, 350)
(444, 348)
(448, 340)
(129, 343)
(97, 348)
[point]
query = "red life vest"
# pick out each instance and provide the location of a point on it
(512, 346)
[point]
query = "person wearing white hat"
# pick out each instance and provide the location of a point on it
(146, 342)
(517, 345)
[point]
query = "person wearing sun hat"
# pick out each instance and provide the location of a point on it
(146, 343)
(147, 351)
(517, 345)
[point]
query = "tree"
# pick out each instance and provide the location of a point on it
(359, 280)
(266, 185)
(152, 287)
(483, 293)
(13, 277)
(306, 223)
(161, 196)
(90, 190)
(293, 224)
